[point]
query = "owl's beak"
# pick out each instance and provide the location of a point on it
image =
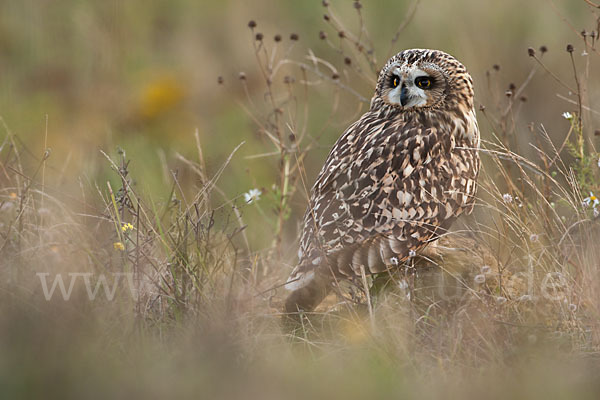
(404, 96)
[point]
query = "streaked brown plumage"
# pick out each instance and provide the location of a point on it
(395, 180)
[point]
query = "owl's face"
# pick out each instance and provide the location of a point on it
(415, 85)
(419, 79)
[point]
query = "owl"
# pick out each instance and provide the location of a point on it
(395, 180)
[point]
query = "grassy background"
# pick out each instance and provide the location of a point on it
(136, 79)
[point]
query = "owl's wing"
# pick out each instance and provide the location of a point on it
(384, 190)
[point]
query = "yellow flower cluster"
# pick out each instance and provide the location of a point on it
(127, 227)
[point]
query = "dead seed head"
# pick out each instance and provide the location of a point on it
(357, 5)
(347, 61)
(325, 3)
(570, 48)
(259, 36)
(288, 80)
(326, 17)
(335, 76)
(294, 36)
(508, 93)
(277, 38)
(523, 98)
(543, 49)
(292, 138)
(242, 76)
(322, 35)
(496, 67)
(252, 24)
(481, 107)
(531, 52)
(512, 86)
(341, 34)
(220, 80)
(597, 132)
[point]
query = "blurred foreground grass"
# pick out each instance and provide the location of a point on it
(123, 158)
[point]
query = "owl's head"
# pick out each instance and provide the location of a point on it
(423, 79)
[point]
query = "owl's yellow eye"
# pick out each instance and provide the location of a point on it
(423, 82)
(395, 81)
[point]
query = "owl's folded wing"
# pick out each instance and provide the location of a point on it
(378, 197)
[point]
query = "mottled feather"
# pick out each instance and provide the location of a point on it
(396, 179)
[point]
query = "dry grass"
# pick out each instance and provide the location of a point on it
(506, 306)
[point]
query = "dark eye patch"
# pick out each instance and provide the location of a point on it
(424, 82)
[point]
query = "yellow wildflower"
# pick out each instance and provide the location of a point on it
(161, 96)
(127, 227)
(13, 195)
(119, 246)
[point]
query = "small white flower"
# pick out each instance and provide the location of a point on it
(252, 196)
(507, 198)
(534, 238)
(486, 269)
(596, 212)
(598, 162)
(394, 261)
(501, 300)
(479, 278)
(591, 200)
(412, 253)
(572, 307)
(584, 53)
(567, 115)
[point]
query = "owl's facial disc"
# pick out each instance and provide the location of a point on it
(412, 87)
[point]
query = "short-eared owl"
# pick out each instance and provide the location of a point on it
(395, 180)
